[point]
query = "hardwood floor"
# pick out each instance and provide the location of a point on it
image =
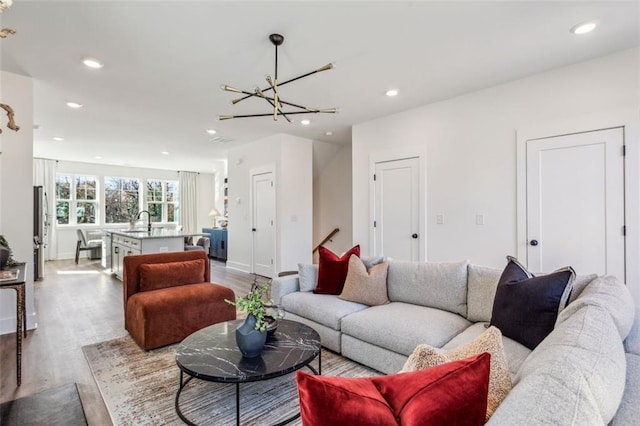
(77, 305)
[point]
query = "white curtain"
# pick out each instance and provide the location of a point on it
(44, 174)
(188, 201)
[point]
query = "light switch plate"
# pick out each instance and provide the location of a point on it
(440, 219)
(479, 219)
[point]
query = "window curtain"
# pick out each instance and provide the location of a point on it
(44, 174)
(188, 201)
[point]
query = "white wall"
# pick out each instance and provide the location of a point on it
(471, 152)
(332, 195)
(16, 190)
(291, 158)
(66, 234)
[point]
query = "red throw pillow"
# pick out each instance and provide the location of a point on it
(332, 270)
(451, 393)
(154, 276)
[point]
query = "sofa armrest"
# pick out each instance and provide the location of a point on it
(282, 286)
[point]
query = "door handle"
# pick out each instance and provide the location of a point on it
(414, 236)
(253, 229)
(533, 242)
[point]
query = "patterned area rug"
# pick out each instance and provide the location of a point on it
(139, 388)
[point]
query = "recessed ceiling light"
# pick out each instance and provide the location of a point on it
(74, 105)
(328, 133)
(92, 62)
(58, 139)
(211, 131)
(391, 93)
(305, 122)
(583, 28)
(165, 153)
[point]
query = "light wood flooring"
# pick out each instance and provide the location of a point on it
(77, 305)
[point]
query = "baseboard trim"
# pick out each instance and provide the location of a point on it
(8, 324)
(242, 267)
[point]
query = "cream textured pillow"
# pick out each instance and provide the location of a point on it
(425, 356)
(366, 287)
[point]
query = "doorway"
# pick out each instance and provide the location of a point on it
(396, 216)
(263, 212)
(575, 205)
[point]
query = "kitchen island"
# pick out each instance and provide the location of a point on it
(131, 242)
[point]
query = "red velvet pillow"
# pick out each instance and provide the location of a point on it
(332, 270)
(154, 276)
(451, 393)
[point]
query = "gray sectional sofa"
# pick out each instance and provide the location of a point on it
(575, 376)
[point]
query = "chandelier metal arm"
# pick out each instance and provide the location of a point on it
(272, 102)
(319, 111)
(324, 68)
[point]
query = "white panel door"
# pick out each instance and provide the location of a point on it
(575, 202)
(396, 209)
(263, 220)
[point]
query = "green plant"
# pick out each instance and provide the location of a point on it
(4, 242)
(254, 303)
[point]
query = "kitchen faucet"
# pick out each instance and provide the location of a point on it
(148, 219)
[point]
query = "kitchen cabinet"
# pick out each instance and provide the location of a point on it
(142, 242)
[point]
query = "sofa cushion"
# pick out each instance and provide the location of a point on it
(482, 286)
(425, 356)
(575, 376)
(400, 327)
(410, 399)
(308, 276)
(433, 284)
(332, 270)
(515, 352)
(154, 276)
(525, 307)
(368, 287)
(325, 309)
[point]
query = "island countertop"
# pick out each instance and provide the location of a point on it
(155, 233)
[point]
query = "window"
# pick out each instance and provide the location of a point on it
(86, 200)
(121, 199)
(76, 193)
(63, 199)
(162, 200)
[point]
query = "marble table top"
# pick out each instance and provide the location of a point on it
(212, 353)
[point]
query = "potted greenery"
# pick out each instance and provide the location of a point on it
(251, 335)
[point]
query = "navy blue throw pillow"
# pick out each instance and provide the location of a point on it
(526, 307)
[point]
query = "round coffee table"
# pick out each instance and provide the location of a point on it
(211, 354)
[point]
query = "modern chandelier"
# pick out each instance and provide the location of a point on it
(276, 101)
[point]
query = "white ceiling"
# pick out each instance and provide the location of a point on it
(165, 61)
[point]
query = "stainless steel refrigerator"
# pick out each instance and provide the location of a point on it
(39, 207)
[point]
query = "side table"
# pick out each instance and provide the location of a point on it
(19, 285)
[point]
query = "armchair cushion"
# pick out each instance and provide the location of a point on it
(154, 276)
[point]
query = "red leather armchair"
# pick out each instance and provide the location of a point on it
(168, 296)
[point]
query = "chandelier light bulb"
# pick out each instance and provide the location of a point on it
(391, 93)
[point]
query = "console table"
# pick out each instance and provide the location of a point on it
(19, 285)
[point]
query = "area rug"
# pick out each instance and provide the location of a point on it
(139, 388)
(58, 406)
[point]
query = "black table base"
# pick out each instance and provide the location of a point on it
(184, 383)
